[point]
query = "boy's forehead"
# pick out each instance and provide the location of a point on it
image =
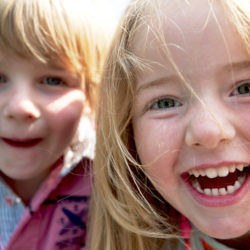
(8, 56)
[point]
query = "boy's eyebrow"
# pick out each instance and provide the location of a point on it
(156, 82)
(56, 67)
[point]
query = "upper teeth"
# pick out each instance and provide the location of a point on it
(215, 172)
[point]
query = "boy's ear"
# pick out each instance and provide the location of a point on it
(90, 90)
(87, 110)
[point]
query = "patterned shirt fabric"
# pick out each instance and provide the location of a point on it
(11, 211)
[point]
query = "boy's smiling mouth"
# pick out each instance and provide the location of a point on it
(24, 143)
(218, 181)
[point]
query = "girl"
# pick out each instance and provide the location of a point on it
(173, 139)
(50, 61)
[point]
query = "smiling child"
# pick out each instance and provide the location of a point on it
(51, 56)
(173, 151)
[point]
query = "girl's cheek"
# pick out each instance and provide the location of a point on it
(157, 142)
(244, 125)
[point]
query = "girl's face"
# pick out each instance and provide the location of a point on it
(40, 107)
(196, 151)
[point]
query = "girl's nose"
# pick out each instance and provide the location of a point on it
(21, 107)
(207, 129)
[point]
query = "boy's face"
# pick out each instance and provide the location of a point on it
(179, 136)
(40, 108)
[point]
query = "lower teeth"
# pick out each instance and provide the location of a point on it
(219, 191)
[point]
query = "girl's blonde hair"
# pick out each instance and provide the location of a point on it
(65, 33)
(127, 213)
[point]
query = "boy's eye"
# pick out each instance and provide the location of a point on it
(53, 81)
(3, 79)
(243, 89)
(165, 103)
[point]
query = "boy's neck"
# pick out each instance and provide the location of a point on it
(25, 189)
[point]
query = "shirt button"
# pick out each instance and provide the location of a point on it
(11, 200)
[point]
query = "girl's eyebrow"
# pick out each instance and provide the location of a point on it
(238, 65)
(172, 78)
(157, 82)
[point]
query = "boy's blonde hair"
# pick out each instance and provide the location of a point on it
(64, 33)
(127, 213)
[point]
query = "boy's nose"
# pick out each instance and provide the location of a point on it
(207, 129)
(21, 107)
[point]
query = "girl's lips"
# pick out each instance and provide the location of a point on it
(26, 143)
(219, 200)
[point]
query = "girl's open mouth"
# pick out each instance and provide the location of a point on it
(22, 143)
(220, 181)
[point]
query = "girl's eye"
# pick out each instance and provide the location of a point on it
(243, 89)
(165, 103)
(53, 81)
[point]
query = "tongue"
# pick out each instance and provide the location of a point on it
(218, 182)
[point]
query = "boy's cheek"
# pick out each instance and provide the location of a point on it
(73, 100)
(64, 114)
(68, 118)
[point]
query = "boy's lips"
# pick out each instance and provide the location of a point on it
(22, 143)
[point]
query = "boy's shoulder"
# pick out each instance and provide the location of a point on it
(70, 209)
(77, 182)
(59, 221)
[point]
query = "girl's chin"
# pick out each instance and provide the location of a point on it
(224, 232)
(240, 242)
(225, 236)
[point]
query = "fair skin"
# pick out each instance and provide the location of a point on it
(40, 108)
(187, 136)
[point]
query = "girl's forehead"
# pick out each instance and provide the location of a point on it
(195, 39)
(180, 20)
